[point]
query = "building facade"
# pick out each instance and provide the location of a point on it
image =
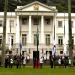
(22, 25)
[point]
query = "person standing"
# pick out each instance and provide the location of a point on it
(11, 62)
(6, 61)
(24, 61)
(69, 62)
(51, 62)
(59, 61)
(65, 61)
(41, 62)
(18, 61)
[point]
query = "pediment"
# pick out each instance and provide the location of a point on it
(36, 6)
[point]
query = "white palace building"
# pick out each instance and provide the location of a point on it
(22, 25)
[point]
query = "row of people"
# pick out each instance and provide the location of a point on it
(61, 61)
(17, 60)
(21, 60)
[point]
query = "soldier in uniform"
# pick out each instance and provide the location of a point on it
(11, 62)
(51, 62)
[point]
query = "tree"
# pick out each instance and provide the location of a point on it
(70, 31)
(60, 4)
(4, 32)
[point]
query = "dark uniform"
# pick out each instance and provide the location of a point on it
(51, 62)
(65, 62)
(6, 62)
(17, 61)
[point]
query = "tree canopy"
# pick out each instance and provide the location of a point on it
(62, 5)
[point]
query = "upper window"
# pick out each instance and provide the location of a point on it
(47, 21)
(73, 40)
(35, 39)
(72, 24)
(1, 22)
(12, 23)
(60, 40)
(59, 23)
(12, 39)
(47, 39)
(24, 20)
(24, 39)
(0, 40)
(35, 21)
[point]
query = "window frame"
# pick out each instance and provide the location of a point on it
(11, 23)
(72, 24)
(47, 39)
(24, 20)
(60, 40)
(1, 23)
(47, 21)
(35, 39)
(1, 40)
(12, 40)
(37, 21)
(60, 25)
(24, 39)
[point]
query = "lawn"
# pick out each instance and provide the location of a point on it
(31, 71)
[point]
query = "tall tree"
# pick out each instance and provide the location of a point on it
(60, 4)
(70, 31)
(4, 32)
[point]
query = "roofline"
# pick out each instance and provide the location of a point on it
(37, 2)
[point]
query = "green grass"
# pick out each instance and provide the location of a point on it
(31, 71)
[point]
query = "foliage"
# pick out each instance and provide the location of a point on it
(62, 5)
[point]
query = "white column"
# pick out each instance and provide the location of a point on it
(42, 31)
(17, 32)
(29, 35)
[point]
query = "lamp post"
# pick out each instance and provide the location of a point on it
(37, 37)
(37, 7)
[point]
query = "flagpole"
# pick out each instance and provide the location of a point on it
(37, 33)
(54, 26)
(54, 31)
(10, 32)
(37, 38)
(54, 43)
(65, 50)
